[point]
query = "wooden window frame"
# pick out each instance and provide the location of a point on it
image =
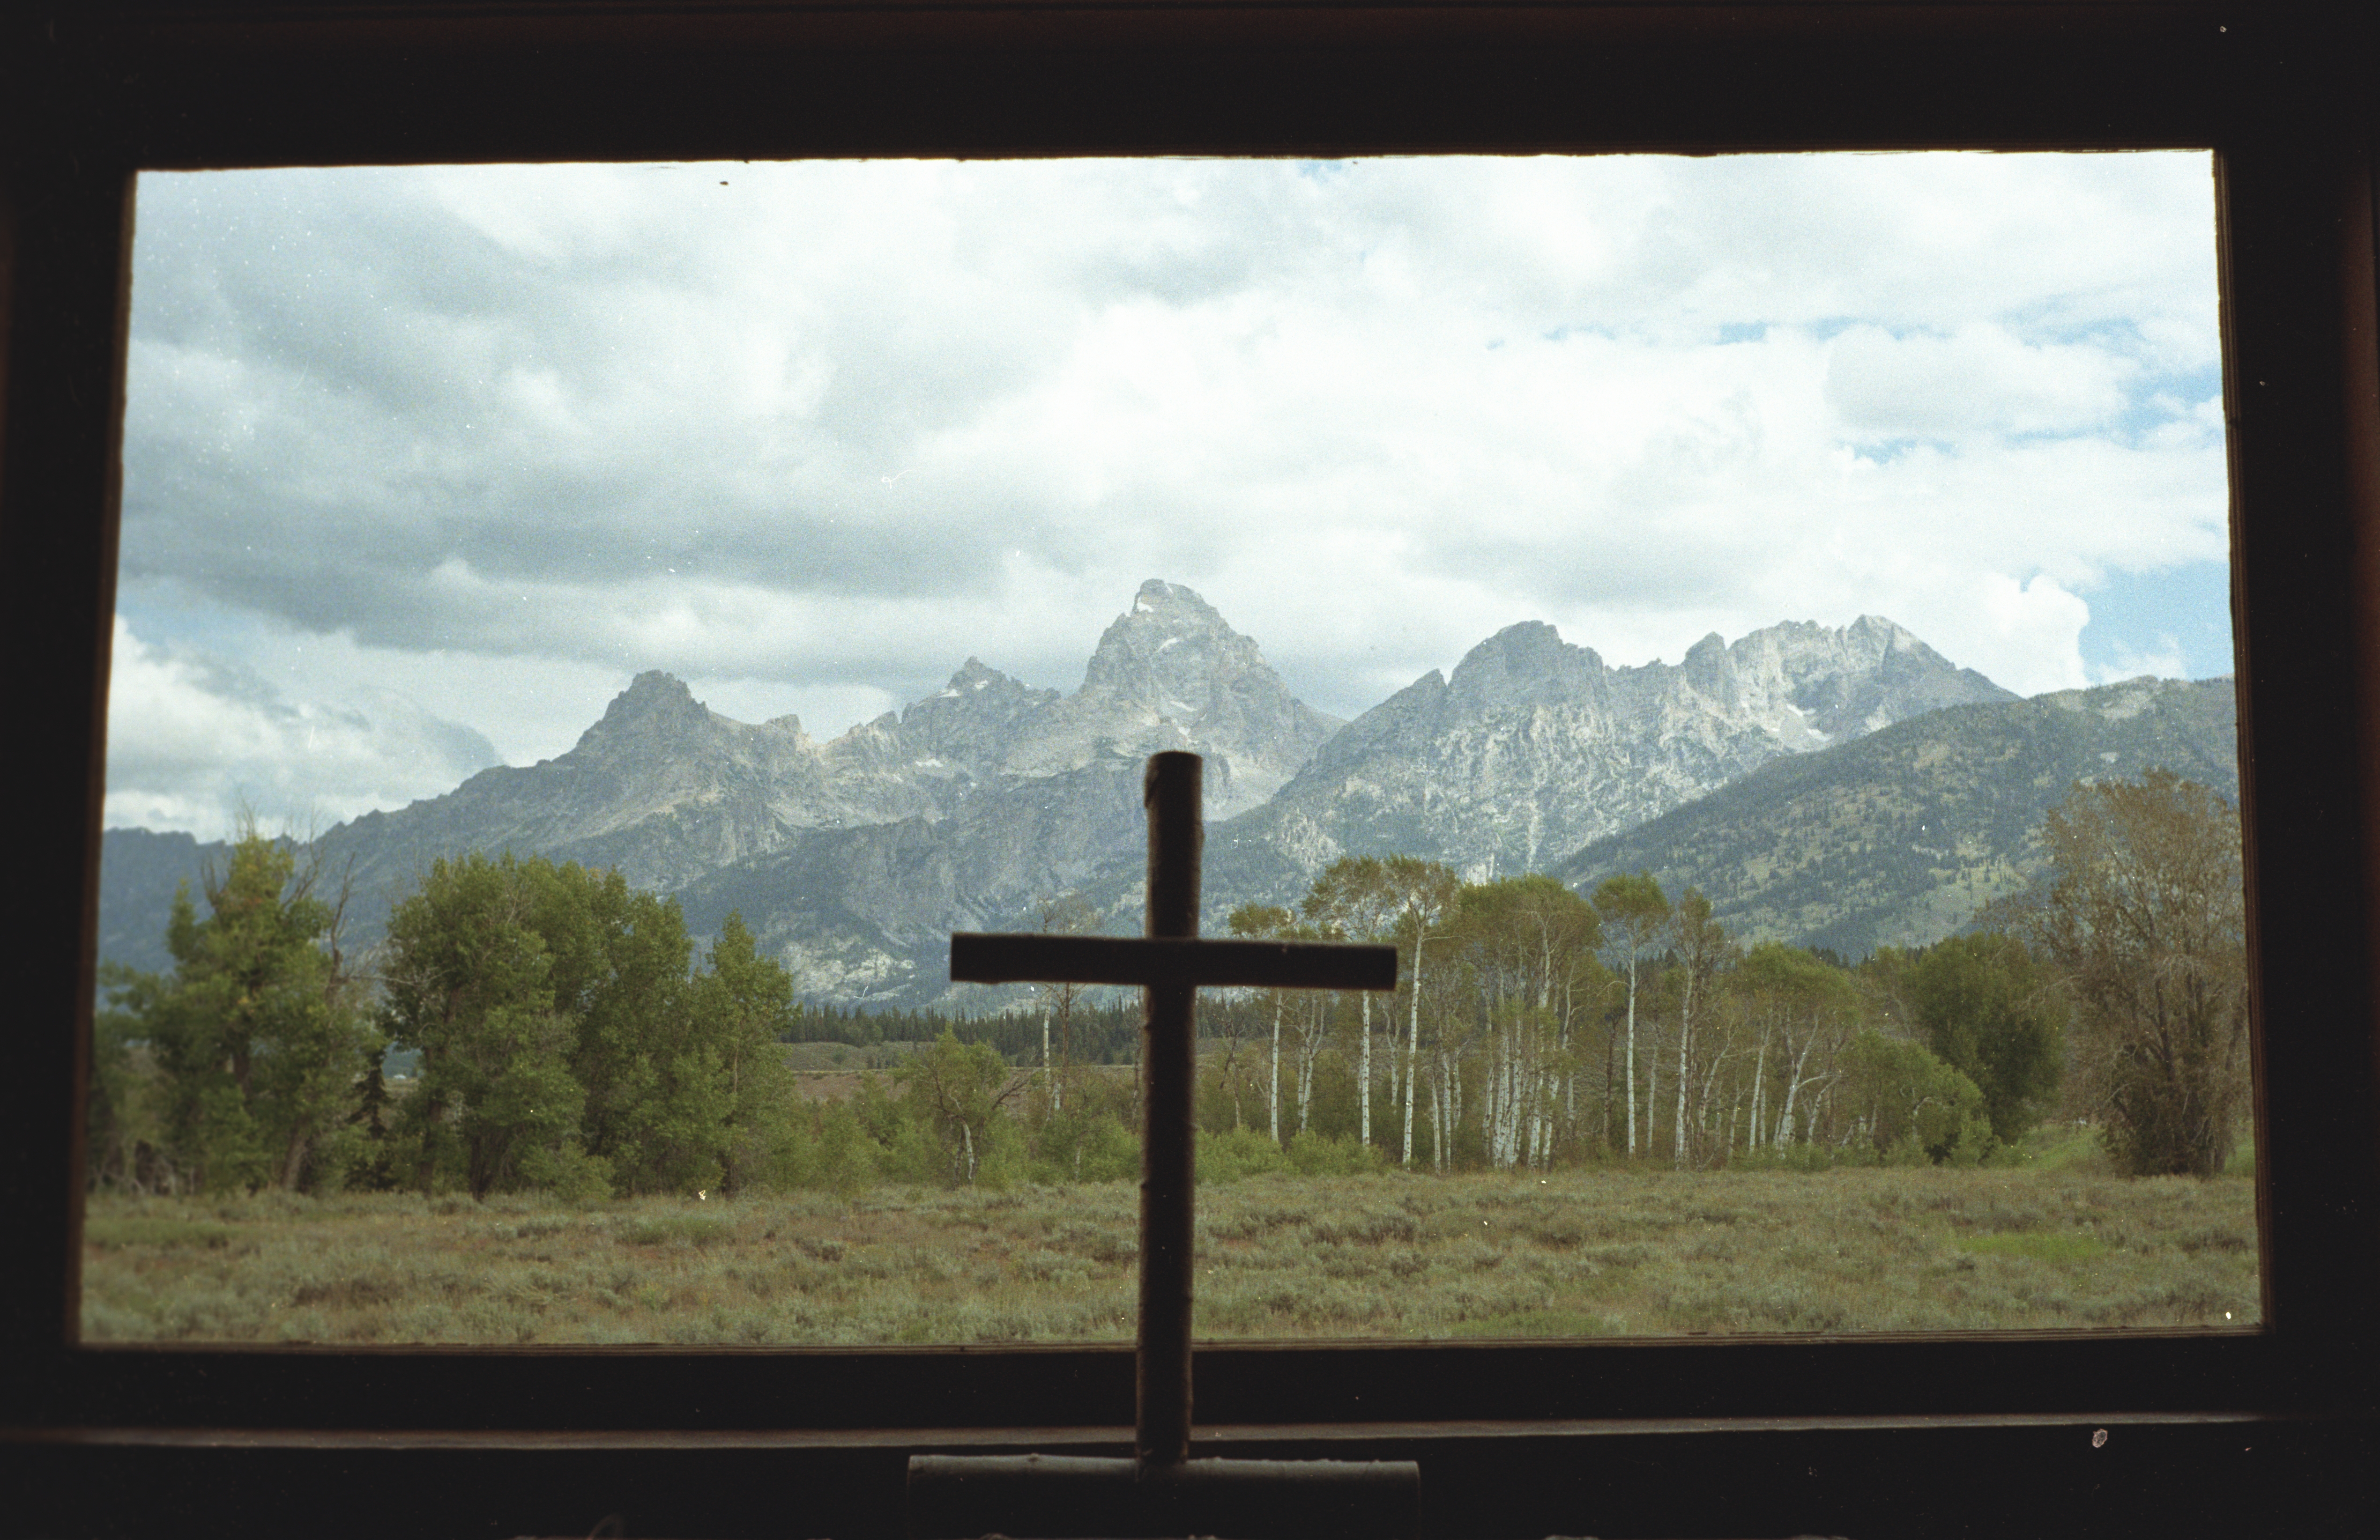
(1536, 1438)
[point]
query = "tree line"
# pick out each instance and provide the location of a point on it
(1535, 1025)
(572, 1037)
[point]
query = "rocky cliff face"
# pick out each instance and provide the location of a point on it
(1169, 674)
(1896, 837)
(1534, 748)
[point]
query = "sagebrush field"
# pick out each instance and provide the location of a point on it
(1576, 1253)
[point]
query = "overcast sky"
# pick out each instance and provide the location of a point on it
(421, 465)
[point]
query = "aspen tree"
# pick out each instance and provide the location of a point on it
(1634, 912)
(1425, 893)
(1353, 898)
(1261, 922)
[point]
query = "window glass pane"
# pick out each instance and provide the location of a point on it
(1748, 629)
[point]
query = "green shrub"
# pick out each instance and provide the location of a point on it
(1317, 1155)
(1086, 1147)
(1240, 1154)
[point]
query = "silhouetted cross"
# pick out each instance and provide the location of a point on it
(1169, 963)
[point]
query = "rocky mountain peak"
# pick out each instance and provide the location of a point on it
(656, 709)
(1169, 652)
(1535, 745)
(1170, 673)
(1709, 670)
(974, 719)
(1527, 661)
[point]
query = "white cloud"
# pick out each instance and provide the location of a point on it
(1978, 379)
(501, 437)
(2165, 660)
(192, 743)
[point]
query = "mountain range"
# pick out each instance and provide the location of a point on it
(853, 859)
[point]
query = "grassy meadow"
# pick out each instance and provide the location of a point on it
(1578, 1252)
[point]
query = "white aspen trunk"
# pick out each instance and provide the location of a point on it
(1446, 1116)
(1274, 1096)
(1707, 1115)
(1412, 1045)
(1759, 1092)
(1309, 1047)
(1363, 1077)
(1652, 1095)
(1491, 1114)
(1793, 1084)
(1514, 1107)
(1456, 1089)
(1677, 1144)
(1632, 1052)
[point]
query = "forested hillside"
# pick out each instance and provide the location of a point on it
(1895, 838)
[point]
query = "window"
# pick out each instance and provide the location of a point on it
(416, 455)
(2299, 278)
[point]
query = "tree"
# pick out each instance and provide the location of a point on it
(958, 1090)
(468, 981)
(1906, 1098)
(1703, 949)
(745, 1003)
(1791, 994)
(657, 1108)
(1268, 922)
(1529, 943)
(1353, 898)
(568, 1042)
(1066, 915)
(1424, 894)
(2144, 916)
(1988, 1009)
(255, 1037)
(1635, 911)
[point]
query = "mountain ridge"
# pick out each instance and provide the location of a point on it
(853, 859)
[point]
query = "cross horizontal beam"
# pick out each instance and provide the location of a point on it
(977, 958)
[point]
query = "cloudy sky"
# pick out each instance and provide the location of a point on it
(423, 465)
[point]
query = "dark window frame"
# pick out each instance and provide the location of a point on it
(200, 83)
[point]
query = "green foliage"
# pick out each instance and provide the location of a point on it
(2145, 919)
(957, 1098)
(845, 1157)
(239, 1070)
(1237, 1154)
(569, 1045)
(1913, 1104)
(1987, 1007)
(1317, 1155)
(1085, 1144)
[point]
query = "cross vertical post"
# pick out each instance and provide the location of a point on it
(1161, 1491)
(1171, 791)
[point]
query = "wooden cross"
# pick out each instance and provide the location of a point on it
(1170, 964)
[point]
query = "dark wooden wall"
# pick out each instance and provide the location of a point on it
(2209, 1434)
